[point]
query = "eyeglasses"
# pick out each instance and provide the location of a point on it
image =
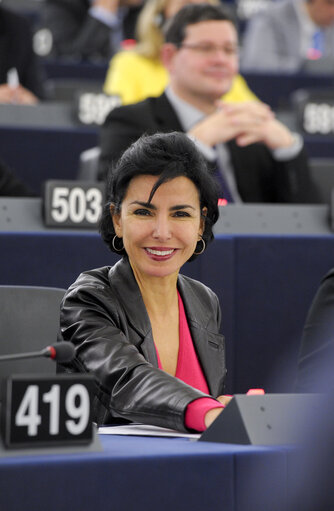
(208, 49)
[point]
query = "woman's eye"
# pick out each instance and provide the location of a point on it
(181, 214)
(142, 212)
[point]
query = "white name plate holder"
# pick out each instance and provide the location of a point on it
(315, 111)
(93, 107)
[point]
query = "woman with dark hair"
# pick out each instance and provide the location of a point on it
(148, 334)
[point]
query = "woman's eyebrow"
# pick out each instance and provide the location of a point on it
(181, 206)
(152, 206)
(143, 204)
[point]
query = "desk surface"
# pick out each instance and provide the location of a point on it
(25, 215)
(44, 145)
(276, 88)
(47, 115)
(133, 473)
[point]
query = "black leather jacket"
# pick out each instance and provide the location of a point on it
(104, 316)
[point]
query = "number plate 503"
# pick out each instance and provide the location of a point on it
(73, 203)
(39, 410)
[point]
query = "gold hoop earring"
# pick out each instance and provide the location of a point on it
(203, 247)
(113, 244)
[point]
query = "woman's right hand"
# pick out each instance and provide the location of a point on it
(212, 414)
(225, 399)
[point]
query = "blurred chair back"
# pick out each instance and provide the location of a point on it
(88, 164)
(67, 89)
(322, 175)
(29, 319)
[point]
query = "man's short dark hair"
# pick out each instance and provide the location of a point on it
(167, 156)
(175, 29)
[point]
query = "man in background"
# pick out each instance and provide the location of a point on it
(89, 29)
(255, 157)
(290, 36)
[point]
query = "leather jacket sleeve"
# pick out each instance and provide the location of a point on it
(118, 349)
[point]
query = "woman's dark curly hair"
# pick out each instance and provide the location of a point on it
(166, 155)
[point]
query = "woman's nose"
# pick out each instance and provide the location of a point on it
(162, 228)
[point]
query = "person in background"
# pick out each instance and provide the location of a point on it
(10, 185)
(89, 29)
(256, 157)
(315, 375)
(21, 75)
(290, 35)
(137, 73)
(149, 335)
(316, 355)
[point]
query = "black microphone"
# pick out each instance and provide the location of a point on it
(61, 352)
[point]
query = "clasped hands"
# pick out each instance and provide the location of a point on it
(108, 5)
(113, 5)
(246, 123)
(17, 95)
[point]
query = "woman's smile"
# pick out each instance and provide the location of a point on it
(160, 254)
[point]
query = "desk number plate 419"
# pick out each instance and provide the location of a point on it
(39, 410)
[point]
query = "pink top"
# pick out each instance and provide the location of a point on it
(188, 369)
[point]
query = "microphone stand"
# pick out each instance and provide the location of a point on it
(19, 356)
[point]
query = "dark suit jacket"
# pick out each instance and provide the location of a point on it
(79, 35)
(10, 185)
(104, 316)
(16, 51)
(259, 177)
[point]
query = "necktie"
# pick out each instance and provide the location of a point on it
(318, 41)
(317, 45)
(224, 187)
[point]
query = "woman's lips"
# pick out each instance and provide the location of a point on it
(160, 253)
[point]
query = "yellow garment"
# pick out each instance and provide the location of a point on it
(134, 78)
